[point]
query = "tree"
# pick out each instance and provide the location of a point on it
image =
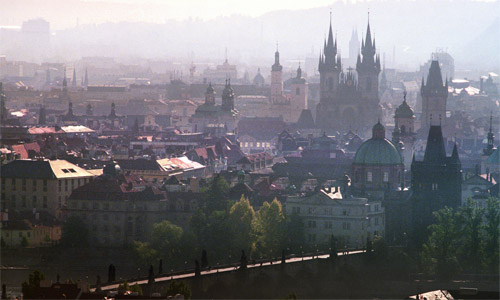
(439, 253)
(241, 216)
(165, 243)
(268, 229)
(471, 247)
(144, 252)
(179, 287)
(216, 196)
(492, 233)
(30, 287)
(74, 233)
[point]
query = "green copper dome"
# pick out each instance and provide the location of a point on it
(378, 152)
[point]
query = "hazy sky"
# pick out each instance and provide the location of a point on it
(66, 13)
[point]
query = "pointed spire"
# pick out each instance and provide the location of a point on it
(491, 122)
(455, 151)
(73, 82)
(86, 80)
(330, 35)
(65, 82)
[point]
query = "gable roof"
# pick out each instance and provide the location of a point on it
(43, 169)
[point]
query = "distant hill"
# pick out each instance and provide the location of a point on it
(467, 29)
(484, 50)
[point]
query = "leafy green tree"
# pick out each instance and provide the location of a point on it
(166, 238)
(166, 242)
(216, 196)
(179, 287)
(268, 229)
(471, 247)
(492, 234)
(30, 287)
(241, 216)
(74, 233)
(439, 253)
(144, 252)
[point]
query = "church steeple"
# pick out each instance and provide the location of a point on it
(42, 117)
(73, 82)
(86, 80)
(277, 66)
(368, 67)
(491, 138)
(378, 131)
(210, 95)
(112, 114)
(65, 82)
(434, 95)
(70, 110)
(228, 96)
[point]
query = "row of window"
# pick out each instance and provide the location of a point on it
(329, 225)
(24, 201)
(257, 145)
(326, 210)
(117, 206)
(34, 184)
(369, 176)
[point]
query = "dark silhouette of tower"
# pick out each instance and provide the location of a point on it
(329, 67)
(276, 79)
(42, 117)
(434, 94)
(228, 96)
(86, 80)
(73, 82)
(368, 68)
(436, 182)
(210, 95)
(112, 114)
(490, 147)
(346, 102)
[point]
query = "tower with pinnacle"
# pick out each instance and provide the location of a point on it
(348, 101)
(434, 95)
(368, 68)
(329, 67)
(277, 80)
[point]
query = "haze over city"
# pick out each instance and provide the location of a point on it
(258, 149)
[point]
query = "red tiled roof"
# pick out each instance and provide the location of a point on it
(24, 149)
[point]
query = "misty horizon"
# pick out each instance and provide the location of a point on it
(251, 40)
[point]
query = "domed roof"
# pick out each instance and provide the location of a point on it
(378, 152)
(210, 89)
(228, 90)
(404, 110)
(258, 79)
